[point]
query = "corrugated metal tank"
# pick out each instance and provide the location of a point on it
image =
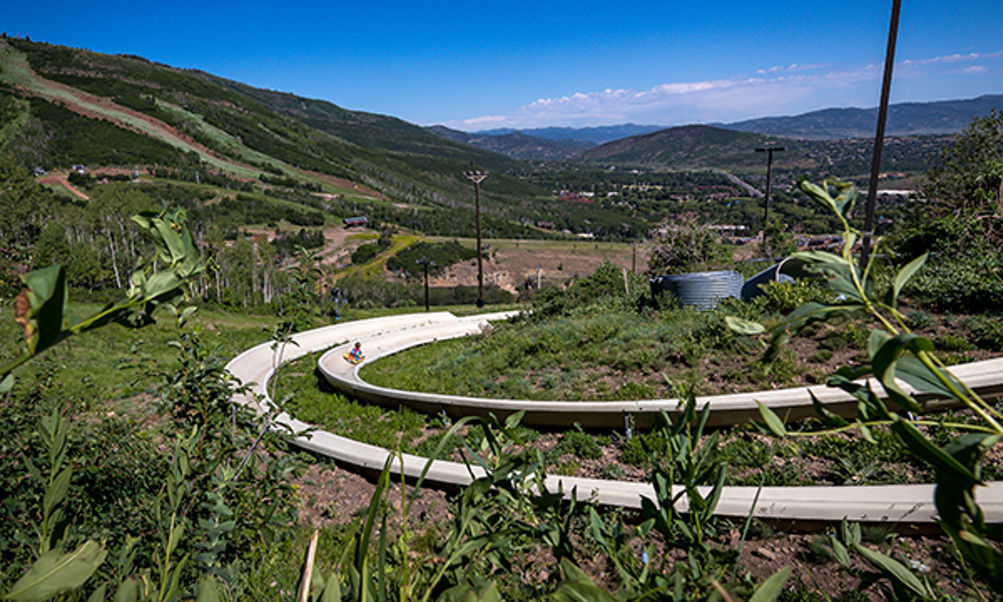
(699, 289)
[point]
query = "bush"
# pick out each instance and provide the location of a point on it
(365, 253)
(785, 297)
(580, 444)
(966, 284)
(985, 331)
(441, 255)
(607, 282)
(685, 246)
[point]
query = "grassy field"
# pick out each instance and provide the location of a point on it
(117, 363)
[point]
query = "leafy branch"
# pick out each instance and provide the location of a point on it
(896, 355)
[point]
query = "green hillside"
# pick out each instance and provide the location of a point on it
(700, 146)
(904, 119)
(71, 106)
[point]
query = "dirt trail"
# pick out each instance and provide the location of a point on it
(60, 179)
(88, 105)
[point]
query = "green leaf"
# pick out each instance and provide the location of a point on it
(773, 422)
(894, 570)
(839, 552)
(850, 532)
(807, 313)
(828, 415)
(208, 590)
(922, 378)
(770, 590)
(56, 492)
(46, 296)
(846, 197)
(161, 283)
(923, 448)
(883, 363)
(56, 572)
(744, 327)
(467, 593)
(6, 383)
(818, 194)
(905, 274)
(100, 594)
(332, 589)
(128, 591)
(579, 587)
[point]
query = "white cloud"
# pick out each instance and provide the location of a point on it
(954, 58)
(775, 90)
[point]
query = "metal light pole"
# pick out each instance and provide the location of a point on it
(425, 262)
(879, 136)
(769, 150)
(477, 176)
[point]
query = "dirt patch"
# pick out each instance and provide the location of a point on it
(524, 263)
(335, 496)
(343, 183)
(61, 179)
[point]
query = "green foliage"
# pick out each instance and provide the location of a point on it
(778, 240)
(39, 310)
(963, 283)
(607, 285)
(24, 201)
(57, 137)
(578, 443)
(986, 331)
(897, 355)
(785, 297)
(963, 177)
(682, 458)
(287, 244)
(439, 256)
(235, 494)
(685, 246)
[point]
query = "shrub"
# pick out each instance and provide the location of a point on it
(685, 246)
(966, 284)
(441, 255)
(985, 331)
(580, 444)
(785, 297)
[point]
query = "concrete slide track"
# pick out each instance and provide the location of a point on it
(910, 504)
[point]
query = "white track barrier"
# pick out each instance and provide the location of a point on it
(911, 504)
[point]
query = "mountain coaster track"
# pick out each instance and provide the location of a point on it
(909, 504)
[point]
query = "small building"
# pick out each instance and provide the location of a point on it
(80, 169)
(40, 171)
(360, 221)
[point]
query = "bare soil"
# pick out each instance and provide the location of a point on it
(334, 496)
(60, 179)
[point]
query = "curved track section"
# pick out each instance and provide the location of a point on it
(986, 377)
(911, 504)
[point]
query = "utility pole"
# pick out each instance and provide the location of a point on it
(769, 150)
(425, 262)
(477, 176)
(879, 136)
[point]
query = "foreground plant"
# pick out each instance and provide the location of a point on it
(40, 310)
(896, 356)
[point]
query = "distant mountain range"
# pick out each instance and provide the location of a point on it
(703, 146)
(595, 135)
(904, 119)
(516, 144)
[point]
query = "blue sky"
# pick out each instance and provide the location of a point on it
(480, 65)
